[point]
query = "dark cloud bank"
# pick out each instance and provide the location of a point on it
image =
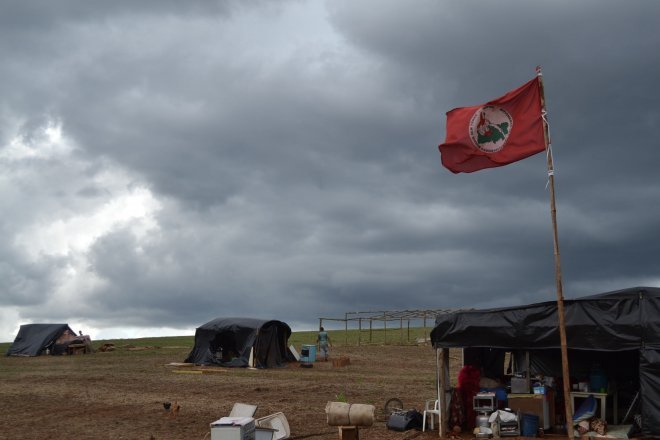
(297, 175)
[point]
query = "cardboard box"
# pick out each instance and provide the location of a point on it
(539, 390)
(542, 405)
(519, 385)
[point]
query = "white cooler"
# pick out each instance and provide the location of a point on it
(233, 428)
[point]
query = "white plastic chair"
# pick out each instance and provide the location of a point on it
(278, 422)
(431, 408)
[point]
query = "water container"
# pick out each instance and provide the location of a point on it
(597, 380)
(529, 425)
(308, 353)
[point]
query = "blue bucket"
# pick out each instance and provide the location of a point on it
(308, 353)
(529, 425)
(597, 381)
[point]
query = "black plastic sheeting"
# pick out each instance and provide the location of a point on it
(619, 331)
(228, 342)
(620, 320)
(33, 339)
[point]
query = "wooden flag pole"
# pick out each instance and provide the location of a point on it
(560, 294)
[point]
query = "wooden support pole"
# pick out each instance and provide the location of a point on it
(528, 375)
(442, 363)
(560, 293)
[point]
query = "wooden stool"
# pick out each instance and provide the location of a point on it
(349, 433)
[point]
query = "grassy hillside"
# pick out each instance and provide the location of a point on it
(338, 337)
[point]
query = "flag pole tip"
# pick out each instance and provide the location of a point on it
(538, 70)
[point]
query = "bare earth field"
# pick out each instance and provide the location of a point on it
(120, 394)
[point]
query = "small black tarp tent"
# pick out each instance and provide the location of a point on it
(229, 341)
(619, 329)
(35, 339)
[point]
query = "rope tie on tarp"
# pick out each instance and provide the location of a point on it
(548, 151)
(551, 171)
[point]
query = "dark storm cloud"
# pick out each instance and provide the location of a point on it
(599, 78)
(298, 170)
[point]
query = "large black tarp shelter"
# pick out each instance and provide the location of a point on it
(619, 330)
(229, 342)
(35, 339)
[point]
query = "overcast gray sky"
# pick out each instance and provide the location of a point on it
(163, 163)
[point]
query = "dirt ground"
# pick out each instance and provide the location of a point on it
(120, 394)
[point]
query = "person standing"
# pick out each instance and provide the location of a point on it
(323, 342)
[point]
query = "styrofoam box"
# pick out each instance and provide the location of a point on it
(233, 428)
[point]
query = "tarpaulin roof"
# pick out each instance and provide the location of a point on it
(33, 338)
(236, 337)
(619, 320)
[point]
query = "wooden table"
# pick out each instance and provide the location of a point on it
(602, 399)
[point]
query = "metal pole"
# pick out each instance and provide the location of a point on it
(359, 330)
(371, 321)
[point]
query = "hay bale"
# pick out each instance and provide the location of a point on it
(346, 414)
(341, 361)
(106, 347)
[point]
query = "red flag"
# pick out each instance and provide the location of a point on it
(497, 133)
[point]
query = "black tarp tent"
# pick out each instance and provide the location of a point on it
(36, 339)
(229, 342)
(619, 330)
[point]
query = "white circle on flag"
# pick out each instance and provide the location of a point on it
(490, 128)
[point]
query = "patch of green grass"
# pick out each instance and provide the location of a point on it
(161, 342)
(380, 336)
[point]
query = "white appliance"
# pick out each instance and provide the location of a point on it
(233, 428)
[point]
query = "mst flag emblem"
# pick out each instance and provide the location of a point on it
(490, 127)
(497, 133)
